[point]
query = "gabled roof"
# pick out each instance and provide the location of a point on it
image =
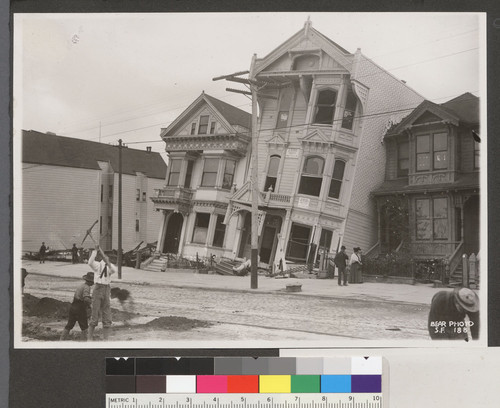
(54, 150)
(229, 114)
(232, 114)
(462, 109)
(465, 106)
(341, 55)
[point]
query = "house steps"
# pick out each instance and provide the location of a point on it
(225, 267)
(158, 264)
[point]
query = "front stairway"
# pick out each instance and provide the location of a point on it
(158, 264)
(225, 267)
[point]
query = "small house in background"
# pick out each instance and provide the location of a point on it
(208, 147)
(68, 184)
(429, 203)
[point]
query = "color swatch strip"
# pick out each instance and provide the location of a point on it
(244, 375)
(244, 366)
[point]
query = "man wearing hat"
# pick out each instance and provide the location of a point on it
(78, 309)
(447, 317)
(101, 298)
(340, 262)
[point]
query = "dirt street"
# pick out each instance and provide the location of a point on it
(168, 313)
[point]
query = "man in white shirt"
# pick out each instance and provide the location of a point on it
(101, 303)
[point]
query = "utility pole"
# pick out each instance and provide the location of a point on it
(119, 261)
(255, 185)
(255, 86)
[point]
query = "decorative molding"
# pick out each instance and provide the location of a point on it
(432, 178)
(362, 92)
(233, 142)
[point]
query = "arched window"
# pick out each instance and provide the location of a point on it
(325, 107)
(272, 172)
(337, 177)
(312, 176)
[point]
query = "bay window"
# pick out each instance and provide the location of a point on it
(210, 168)
(325, 107)
(337, 177)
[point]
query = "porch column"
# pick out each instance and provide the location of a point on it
(237, 234)
(287, 225)
(183, 233)
(161, 233)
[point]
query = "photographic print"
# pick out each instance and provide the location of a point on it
(249, 179)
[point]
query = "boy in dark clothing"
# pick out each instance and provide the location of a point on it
(78, 310)
(340, 262)
(125, 299)
(43, 250)
(447, 315)
(74, 254)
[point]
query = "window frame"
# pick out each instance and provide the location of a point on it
(219, 231)
(323, 106)
(400, 171)
(477, 154)
(269, 178)
(304, 176)
(198, 228)
(189, 173)
(224, 184)
(432, 219)
(432, 151)
(348, 121)
(204, 172)
(203, 126)
(336, 180)
(174, 171)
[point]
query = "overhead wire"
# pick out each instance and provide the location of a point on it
(362, 76)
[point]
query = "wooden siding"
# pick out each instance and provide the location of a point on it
(466, 151)
(387, 94)
(58, 205)
(392, 160)
(360, 230)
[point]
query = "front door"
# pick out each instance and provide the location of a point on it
(173, 234)
(266, 246)
(298, 243)
(471, 224)
(245, 249)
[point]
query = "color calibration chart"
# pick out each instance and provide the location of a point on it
(246, 382)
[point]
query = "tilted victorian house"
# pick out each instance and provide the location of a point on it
(320, 129)
(432, 172)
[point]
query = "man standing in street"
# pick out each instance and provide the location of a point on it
(74, 254)
(340, 262)
(43, 250)
(101, 301)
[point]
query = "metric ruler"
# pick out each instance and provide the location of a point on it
(313, 400)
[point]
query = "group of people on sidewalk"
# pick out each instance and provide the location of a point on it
(349, 268)
(96, 305)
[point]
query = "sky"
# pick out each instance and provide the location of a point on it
(105, 77)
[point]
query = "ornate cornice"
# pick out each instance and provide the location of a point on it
(237, 143)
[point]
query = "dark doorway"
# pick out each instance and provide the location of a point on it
(471, 224)
(272, 226)
(246, 235)
(298, 243)
(173, 234)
